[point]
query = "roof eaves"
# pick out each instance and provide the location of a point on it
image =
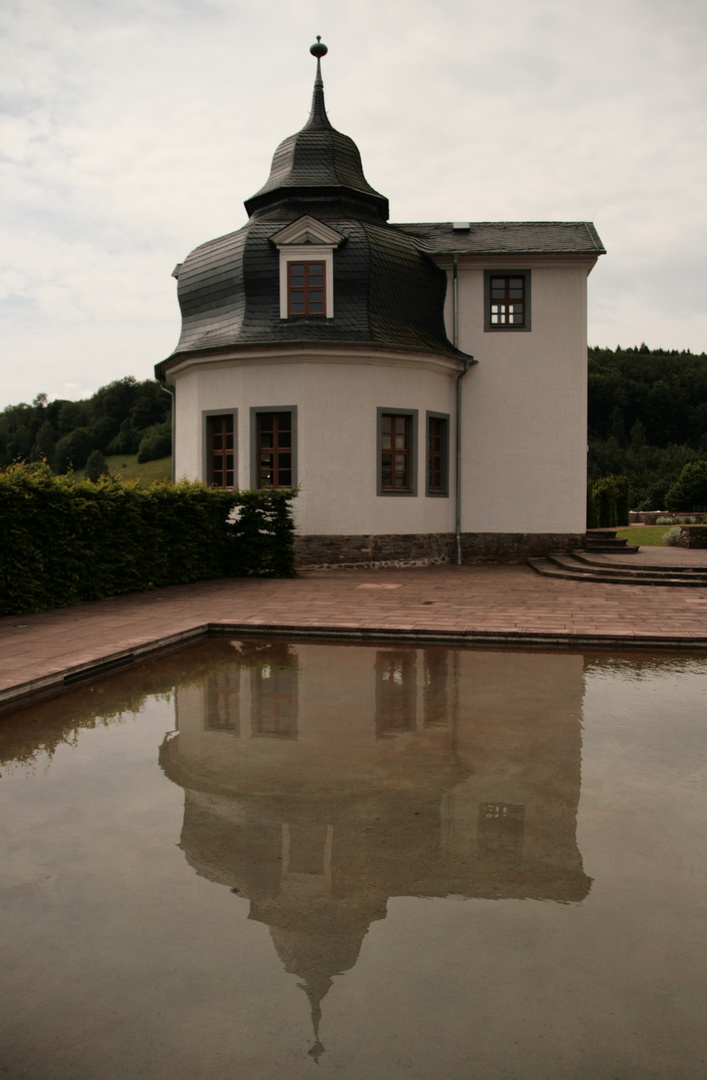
(247, 346)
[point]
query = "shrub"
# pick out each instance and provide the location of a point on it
(96, 466)
(672, 536)
(63, 542)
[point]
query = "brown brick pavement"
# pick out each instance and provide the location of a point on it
(504, 604)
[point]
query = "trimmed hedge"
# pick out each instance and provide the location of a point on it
(607, 502)
(64, 541)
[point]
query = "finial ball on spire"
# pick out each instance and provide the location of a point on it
(319, 49)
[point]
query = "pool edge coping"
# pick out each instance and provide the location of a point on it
(56, 682)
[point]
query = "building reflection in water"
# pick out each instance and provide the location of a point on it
(322, 779)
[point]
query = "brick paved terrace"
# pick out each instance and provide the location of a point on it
(486, 604)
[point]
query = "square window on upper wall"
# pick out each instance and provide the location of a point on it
(506, 300)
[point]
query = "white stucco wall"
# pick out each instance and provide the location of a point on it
(337, 402)
(523, 418)
(524, 434)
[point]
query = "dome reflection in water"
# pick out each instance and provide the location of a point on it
(320, 781)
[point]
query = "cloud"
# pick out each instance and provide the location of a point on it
(131, 131)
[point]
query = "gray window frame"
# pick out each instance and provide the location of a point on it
(396, 492)
(255, 410)
(444, 493)
(494, 328)
(205, 451)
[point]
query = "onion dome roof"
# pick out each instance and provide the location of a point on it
(318, 162)
(387, 292)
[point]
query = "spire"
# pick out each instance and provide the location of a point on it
(316, 990)
(318, 164)
(318, 116)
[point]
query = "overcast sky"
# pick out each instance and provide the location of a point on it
(132, 130)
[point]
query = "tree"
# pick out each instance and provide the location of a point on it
(96, 466)
(127, 440)
(73, 449)
(689, 492)
(156, 443)
(44, 444)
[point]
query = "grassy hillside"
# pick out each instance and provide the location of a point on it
(127, 466)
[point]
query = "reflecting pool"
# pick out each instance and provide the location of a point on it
(272, 859)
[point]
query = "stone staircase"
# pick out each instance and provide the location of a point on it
(606, 540)
(581, 566)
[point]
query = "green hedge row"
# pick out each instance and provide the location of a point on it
(64, 541)
(607, 502)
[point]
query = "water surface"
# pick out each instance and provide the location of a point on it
(267, 859)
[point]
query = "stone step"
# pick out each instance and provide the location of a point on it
(621, 548)
(567, 570)
(606, 540)
(575, 559)
(599, 564)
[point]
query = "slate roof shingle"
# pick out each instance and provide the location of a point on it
(389, 293)
(507, 238)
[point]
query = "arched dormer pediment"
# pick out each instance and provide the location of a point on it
(307, 230)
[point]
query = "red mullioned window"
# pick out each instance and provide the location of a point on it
(275, 450)
(306, 288)
(507, 300)
(436, 450)
(395, 448)
(221, 450)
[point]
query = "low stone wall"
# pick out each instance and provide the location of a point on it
(693, 536)
(427, 549)
(653, 517)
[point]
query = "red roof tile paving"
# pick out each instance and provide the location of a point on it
(503, 605)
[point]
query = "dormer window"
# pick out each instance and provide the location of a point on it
(306, 288)
(307, 268)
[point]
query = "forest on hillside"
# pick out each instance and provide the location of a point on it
(647, 420)
(124, 417)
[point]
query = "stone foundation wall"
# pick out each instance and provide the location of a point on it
(374, 552)
(516, 547)
(427, 549)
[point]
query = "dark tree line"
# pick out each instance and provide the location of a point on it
(647, 418)
(125, 417)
